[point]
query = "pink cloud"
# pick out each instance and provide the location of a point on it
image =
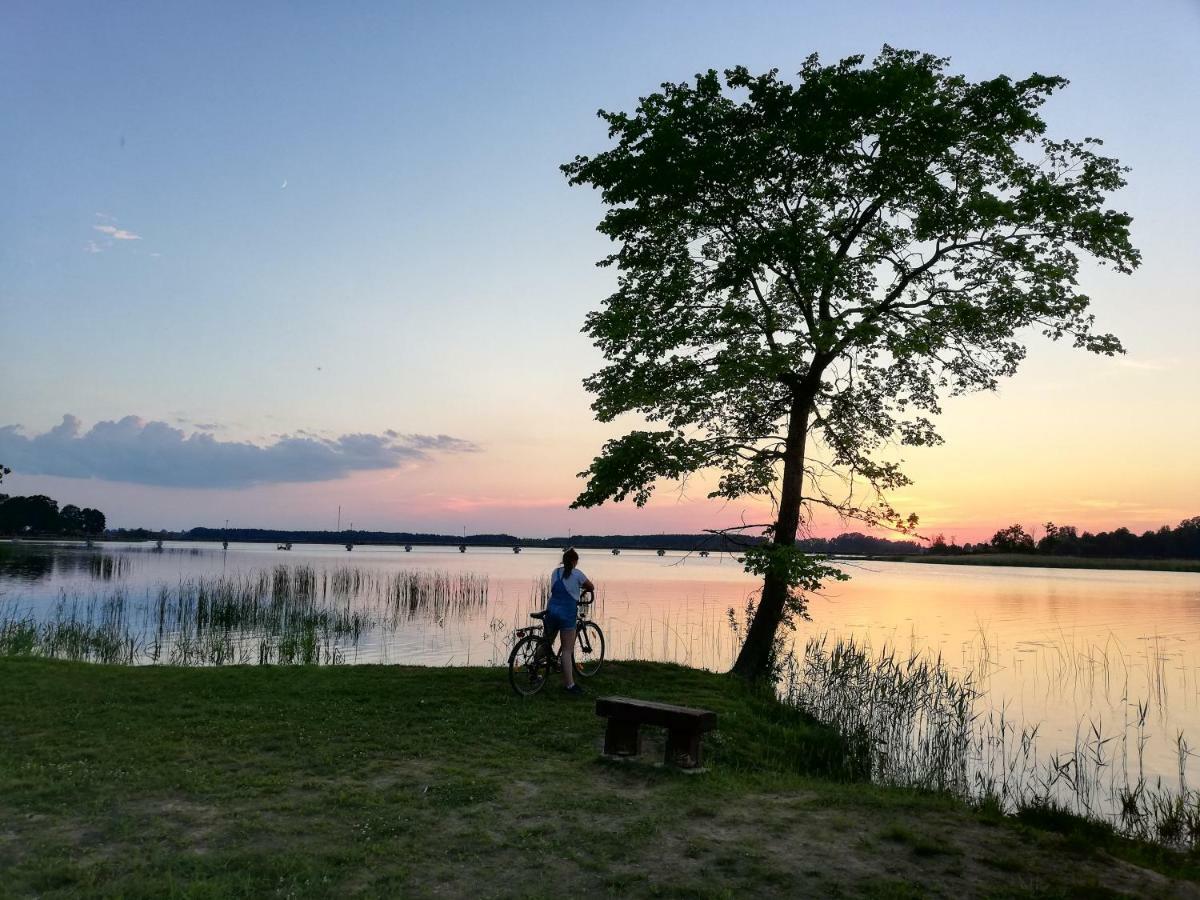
(454, 504)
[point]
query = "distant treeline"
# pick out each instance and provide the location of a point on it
(852, 544)
(1182, 542)
(622, 541)
(39, 515)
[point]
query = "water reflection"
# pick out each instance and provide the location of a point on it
(26, 566)
(36, 562)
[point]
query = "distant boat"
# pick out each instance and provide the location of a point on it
(662, 552)
(287, 546)
(349, 546)
(408, 548)
(704, 553)
(616, 552)
(158, 544)
(224, 545)
(462, 548)
(516, 549)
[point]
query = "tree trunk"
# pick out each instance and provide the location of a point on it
(754, 660)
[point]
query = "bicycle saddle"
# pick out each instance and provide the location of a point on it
(538, 615)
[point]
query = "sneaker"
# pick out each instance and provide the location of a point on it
(575, 690)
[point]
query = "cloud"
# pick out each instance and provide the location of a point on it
(108, 227)
(117, 234)
(182, 419)
(140, 452)
(468, 504)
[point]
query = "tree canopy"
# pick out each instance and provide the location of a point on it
(40, 514)
(805, 268)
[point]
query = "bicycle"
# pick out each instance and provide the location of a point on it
(533, 657)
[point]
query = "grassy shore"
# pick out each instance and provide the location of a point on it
(399, 781)
(1034, 560)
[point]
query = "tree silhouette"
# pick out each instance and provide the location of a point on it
(804, 268)
(70, 519)
(93, 521)
(1013, 539)
(37, 513)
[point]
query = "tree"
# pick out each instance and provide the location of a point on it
(70, 519)
(804, 268)
(38, 513)
(1059, 540)
(93, 521)
(1186, 540)
(1013, 539)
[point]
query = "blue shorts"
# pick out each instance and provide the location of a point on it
(559, 618)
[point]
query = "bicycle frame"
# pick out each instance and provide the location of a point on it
(581, 619)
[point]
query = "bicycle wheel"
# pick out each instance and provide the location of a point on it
(528, 665)
(589, 649)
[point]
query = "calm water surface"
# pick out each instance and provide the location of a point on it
(1063, 648)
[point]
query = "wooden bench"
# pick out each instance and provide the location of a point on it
(685, 726)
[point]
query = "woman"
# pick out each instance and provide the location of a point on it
(562, 613)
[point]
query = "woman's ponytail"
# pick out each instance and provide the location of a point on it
(570, 559)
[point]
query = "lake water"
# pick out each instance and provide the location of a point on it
(1067, 649)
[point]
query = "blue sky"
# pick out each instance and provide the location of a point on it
(342, 219)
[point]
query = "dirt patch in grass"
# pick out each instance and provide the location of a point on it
(793, 842)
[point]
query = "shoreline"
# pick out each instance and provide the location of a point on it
(1033, 561)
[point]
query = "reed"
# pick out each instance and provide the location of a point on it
(107, 567)
(908, 721)
(18, 635)
(95, 632)
(283, 615)
(436, 594)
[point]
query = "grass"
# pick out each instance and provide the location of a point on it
(1034, 560)
(403, 781)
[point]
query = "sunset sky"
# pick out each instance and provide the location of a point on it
(261, 260)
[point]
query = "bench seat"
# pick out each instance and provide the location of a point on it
(685, 726)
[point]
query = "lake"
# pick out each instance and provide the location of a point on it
(1064, 649)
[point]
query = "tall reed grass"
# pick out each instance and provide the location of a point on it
(282, 615)
(96, 631)
(910, 722)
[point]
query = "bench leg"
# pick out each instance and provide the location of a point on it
(622, 738)
(683, 748)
